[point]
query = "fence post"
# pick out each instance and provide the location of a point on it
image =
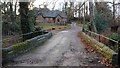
(119, 53)
(89, 33)
(83, 30)
(99, 38)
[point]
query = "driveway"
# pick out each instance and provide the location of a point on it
(63, 49)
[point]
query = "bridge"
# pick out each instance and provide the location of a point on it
(69, 47)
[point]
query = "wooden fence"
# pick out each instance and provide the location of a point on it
(112, 44)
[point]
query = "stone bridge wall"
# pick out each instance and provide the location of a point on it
(13, 51)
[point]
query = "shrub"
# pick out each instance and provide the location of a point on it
(37, 28)
(10, 28)
(100, 22)
(114, 36)
(112, 44)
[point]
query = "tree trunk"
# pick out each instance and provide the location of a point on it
(86, 10)
(24, 18)
(4, 4)
(15, 10)
(113, 10)
(11, 12)
(84, 14)
(0, 30)
(66, 7)
(79, 11)
(91, 9)
(115, 27)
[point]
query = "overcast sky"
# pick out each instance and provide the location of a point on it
(59, 3)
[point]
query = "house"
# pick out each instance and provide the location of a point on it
(50, 16)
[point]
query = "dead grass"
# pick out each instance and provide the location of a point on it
(47, 26)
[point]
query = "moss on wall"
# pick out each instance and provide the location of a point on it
(20, 48)
(101, 48)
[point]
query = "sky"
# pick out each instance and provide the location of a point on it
(58, 4)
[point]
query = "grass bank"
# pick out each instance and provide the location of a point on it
(46, 26)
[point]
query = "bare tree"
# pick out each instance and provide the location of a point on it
(0, 31)
(81, 9)
(11, 11)
(84, 14)
(15, 9)
(113, 10)
(114, 24)
(79, 6)
(71, 9)
(86, 10)
(91, 9)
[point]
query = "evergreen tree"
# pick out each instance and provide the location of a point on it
(25, 27)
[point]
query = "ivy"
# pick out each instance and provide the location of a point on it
(100, 22)
(20, 47)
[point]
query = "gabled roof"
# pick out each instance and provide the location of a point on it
(50, 13)
(63, 14)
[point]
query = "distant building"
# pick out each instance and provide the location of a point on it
(51, 16)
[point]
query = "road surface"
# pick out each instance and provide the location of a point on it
(63, 49)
